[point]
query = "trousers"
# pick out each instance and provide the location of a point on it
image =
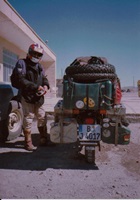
(30, 111)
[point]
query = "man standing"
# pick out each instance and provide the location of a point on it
(33, 85)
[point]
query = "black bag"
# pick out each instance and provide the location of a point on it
(18, 71)
(15, 75)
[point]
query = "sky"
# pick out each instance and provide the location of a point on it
(75, 28)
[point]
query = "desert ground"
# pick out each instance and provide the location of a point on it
(58, 173)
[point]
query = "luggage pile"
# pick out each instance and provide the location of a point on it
(90, 69)
(94, 69)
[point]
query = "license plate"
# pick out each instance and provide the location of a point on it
(89, 132)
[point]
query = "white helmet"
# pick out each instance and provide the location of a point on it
(35, 52)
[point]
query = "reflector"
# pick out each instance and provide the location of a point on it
(126, 138)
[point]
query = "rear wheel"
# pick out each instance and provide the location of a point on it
(90, 154)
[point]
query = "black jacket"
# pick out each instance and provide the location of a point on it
(31, 80)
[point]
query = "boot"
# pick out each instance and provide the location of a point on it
(43, 135)
(28, 141)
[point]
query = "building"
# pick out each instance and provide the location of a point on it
(15, 38)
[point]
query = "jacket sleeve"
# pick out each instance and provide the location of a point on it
(45, 80)
(24, 83)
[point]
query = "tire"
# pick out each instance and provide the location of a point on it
(80, 69)
(14, 120)
(90, 154)
(3, 131)
(89, 77)
(11, 127)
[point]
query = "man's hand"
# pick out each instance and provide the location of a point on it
(42, 90)
(45, 88)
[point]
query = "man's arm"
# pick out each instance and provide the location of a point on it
(24, 83)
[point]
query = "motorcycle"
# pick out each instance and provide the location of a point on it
(90, 112)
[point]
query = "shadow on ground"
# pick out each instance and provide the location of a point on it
(60, 156)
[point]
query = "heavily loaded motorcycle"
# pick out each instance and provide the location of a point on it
(91, 109)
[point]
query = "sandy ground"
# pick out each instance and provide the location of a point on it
(57, 173)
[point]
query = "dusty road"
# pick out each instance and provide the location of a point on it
(56, 173)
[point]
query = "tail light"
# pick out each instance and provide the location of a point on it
(89, 121)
